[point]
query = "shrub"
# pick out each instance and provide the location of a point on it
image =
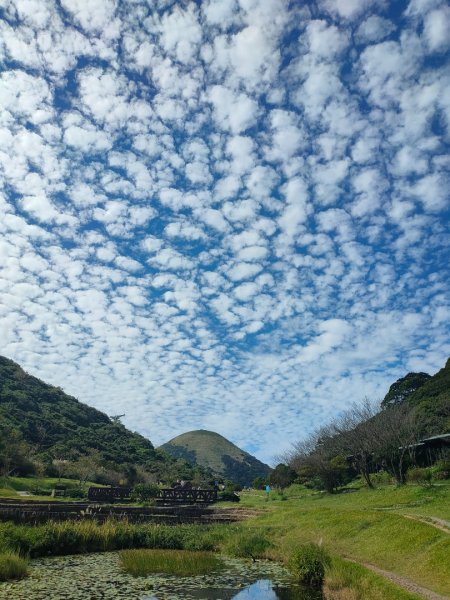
(441, 470)
(419, 475)
(143, 492)
(228, 497)
(381, 478)
(248, 544)
(12, 566)
(308, 564)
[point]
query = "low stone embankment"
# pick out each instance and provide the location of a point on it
(33, 512)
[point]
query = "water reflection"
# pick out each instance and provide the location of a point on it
(263, 589)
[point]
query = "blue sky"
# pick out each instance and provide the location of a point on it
(230, 214)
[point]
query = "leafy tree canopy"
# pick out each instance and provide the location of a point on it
(404, 387)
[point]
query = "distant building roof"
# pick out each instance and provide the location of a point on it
(442, 436)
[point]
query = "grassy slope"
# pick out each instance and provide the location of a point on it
(11, 485)
(208, 449)
(368, 526)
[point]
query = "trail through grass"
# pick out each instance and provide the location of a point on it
(352, 524)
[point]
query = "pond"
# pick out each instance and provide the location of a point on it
(98, 576)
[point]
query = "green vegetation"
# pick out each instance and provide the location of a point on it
(308, 563)
(247, 543)
(44, 431)
(12, 566)
(282, 476)
(429, 396)
(431, 402)
(365, 520)
(402, 389)
(349, 581)
(41, 487)
(73, 537)
(369, 526)
(173, 562)
(143, 492)
(409, 431)
(215, 453)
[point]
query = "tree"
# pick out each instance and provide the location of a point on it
(282, 476)
(13, 453)
(61, 466)
(353, 436)
(401, 389)
(317, 463)
(259, 483)
(396, 434)
(87, 466)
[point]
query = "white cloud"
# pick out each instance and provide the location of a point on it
(433, 191)
(243, 270)
(233, 111)
(181, 33)
(223, 201)
(436, 29)
(95, 17)
(349, 9)
(374, 29)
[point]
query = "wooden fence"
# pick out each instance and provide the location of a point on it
(165, 496)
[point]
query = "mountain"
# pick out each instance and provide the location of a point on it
(214, 452)
(401, 389)
(54, 425)
(427, 395)
(431, 401)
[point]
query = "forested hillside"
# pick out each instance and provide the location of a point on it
(51, 430)
(431, 402)
(428, 396)
(368, 439)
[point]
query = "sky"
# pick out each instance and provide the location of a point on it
(225, 214)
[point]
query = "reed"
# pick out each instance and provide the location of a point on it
(75, 537)
(173, 562)
(12, 566)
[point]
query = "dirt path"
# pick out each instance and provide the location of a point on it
(402, 582)
(440, 524)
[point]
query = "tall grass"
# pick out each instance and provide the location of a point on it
(12, 566)
(73, 537)
(308, 563)
(347, 581)
(247, 543)
(173, 562)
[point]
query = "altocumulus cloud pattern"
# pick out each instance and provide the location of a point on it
(224, 214)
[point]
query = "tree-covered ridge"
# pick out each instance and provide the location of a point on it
(394, 437)
(427, 395)
(56, 426)
(402, 389)
(431, 401)
(212, 451)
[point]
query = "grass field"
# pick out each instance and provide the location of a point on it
(368, 526)
(374, 527)
(38, 487)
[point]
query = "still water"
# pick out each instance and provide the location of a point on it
(262, 589)
(99, 577)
